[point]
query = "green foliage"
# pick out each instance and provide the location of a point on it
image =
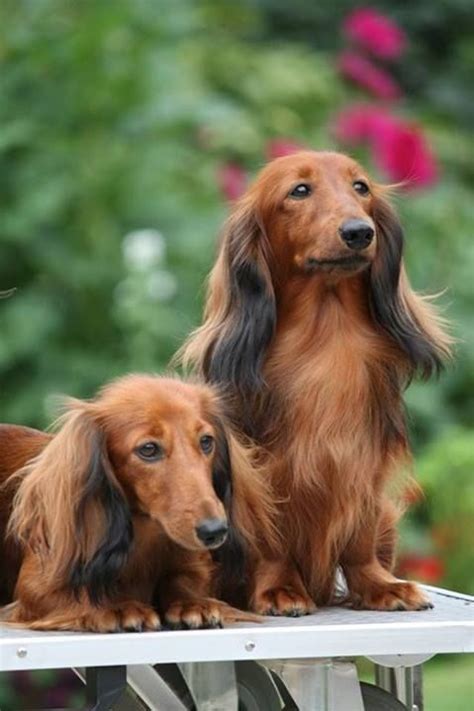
(115, 118)
(445, 472)
(439, 62)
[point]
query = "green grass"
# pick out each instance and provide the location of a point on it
(449, 683)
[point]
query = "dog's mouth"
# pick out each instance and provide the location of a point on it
(197, 545)
(351, 263)
(195, 542)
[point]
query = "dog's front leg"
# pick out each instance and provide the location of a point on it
(44, 604)
(365, 561)
(184, 593)
(277, 589)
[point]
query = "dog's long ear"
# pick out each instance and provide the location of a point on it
(71, 510)
(231, 556)
(240, 482)
(222, 467)
(240, 313)
(409, 319)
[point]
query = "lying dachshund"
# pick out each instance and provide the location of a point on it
(113, 520)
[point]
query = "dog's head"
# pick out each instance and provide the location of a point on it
(145, 446)
(165, 441)
(318, 213)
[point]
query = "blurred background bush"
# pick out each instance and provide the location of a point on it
(125, 129)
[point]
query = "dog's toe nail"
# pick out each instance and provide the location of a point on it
(134, 628)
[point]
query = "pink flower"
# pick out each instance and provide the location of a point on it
(402, 152)
(399, 148)
(280, 147)
(354, 125)
(375, 33)
(361, 123)
(361, 71)
(232, 180)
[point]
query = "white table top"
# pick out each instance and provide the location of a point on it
(331, 632)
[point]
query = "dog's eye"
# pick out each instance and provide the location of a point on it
(303, 190)
(150, 451)
(361, 187)
(206, 443)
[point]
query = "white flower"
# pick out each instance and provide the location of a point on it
(143, 249)
(161, 285)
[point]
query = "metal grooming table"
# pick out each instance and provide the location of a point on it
(304, 663)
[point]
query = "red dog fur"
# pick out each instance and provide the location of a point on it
(107, 513)
(317, 335)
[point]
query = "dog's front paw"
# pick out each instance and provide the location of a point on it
(129, 616)
(194, 614)
(124, 617)
(398, 595)
(137, 617)
(283, 600)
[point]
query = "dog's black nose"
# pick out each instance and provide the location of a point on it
(357, 234)
(212, 531)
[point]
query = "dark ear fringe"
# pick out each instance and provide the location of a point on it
(231, 556)
(386, 305)
(100, 573)
(221, 473)
(236, 356)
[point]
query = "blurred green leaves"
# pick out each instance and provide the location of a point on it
(446, 474)
(114, 118)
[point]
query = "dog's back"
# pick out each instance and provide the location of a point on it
(17, 446)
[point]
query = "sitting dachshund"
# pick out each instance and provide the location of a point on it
(113, 521)
(312, 327)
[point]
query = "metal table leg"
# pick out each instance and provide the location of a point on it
(152, 689)
(146, 689)
(323, 684)
(212, 685)
(418, 701)
(405, 683)
(402, 676)
(104, 687)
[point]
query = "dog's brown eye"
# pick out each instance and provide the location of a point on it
(361, 187)
(302, 190)
(150, 451)
(206, 443)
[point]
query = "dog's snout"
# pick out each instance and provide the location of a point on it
(357, 234)
(212, 531)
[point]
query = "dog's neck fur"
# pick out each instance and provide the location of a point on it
(342, 365)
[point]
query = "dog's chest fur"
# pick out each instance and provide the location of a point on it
(340, 418)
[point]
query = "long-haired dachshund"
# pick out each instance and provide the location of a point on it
(311, 323)
(117, 513)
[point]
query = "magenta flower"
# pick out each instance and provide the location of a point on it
(279, 147)
(399, 148)
(354, 125)
(402, 152)
(362, 71)
(232, 180)
(375, 32)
